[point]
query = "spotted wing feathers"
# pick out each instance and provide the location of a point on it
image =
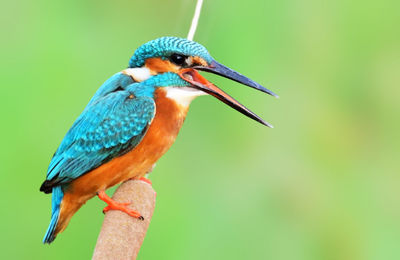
(107, 128)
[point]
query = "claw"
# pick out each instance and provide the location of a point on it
(107, 208)
(113, 205)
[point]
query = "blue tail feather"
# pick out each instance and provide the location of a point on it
(55, 209)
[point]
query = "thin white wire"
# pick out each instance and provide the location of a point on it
(195, 20)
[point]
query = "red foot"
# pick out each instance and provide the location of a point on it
(113, 205)
(146, 180)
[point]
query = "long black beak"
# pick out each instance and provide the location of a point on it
(199, 82)
(222, 70)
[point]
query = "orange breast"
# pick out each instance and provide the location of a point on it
(136, 163)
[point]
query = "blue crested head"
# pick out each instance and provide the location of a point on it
(164, 47)
(173, 61)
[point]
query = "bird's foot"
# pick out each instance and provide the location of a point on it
(113, 205)
(146, 180)
(143, 179)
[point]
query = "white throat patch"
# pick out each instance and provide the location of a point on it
(183, 95)
(138, 74)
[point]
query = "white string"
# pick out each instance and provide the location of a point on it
(195, 20)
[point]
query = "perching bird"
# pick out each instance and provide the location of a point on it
(131, 121)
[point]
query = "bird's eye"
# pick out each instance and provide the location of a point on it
(178, 59)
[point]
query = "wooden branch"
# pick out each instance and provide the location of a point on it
(121, 235)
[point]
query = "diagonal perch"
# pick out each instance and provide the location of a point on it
(121, 235)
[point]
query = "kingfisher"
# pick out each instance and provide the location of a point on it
(130, 122)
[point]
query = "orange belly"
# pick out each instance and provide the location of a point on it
(160, 136)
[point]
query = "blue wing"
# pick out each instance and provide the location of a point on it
(108, 127)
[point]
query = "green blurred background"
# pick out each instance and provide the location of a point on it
(323, 184)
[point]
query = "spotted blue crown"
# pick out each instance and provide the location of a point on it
(165, 46)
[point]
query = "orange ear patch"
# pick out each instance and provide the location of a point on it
(200, 61)
(158, 65)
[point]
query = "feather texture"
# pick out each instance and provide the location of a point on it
(55, 214)
(165, 46)
(109, 127)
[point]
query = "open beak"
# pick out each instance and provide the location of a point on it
(219, 69)
(197, 81)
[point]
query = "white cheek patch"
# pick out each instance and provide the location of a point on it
(183, 95)
(189, 61)
(138, 74)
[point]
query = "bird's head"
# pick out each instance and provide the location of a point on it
(184, 58)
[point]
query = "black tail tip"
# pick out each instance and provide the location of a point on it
(48, 239)
(46, 187)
